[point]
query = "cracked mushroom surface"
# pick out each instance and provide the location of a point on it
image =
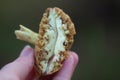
(55, 38)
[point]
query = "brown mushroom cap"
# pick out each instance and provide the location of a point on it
(40, 52)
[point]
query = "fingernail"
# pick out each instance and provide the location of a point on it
(26, 51)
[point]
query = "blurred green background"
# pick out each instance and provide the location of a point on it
(97, 41)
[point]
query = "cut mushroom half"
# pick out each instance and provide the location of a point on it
(53, 41)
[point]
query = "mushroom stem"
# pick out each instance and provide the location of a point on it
(26, 34)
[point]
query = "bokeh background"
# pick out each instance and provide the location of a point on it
(97, 41)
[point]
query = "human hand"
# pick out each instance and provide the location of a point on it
(22, 68)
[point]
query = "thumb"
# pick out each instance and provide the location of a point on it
(68, 68)
(22, 66)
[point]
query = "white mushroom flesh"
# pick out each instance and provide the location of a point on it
(57, 36)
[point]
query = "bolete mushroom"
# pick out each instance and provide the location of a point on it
(52, 43)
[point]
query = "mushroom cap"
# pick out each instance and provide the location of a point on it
(43, 64)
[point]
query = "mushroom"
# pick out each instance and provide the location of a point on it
(52, 43)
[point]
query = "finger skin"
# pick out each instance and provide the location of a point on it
(21, 67)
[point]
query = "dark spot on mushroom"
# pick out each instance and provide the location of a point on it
(63, 22)
(65, 43)
(51, 58)
(46, 52)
